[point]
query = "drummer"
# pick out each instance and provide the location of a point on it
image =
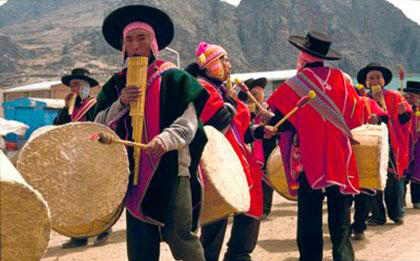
(375, 77)
(226, 113)
(372, 114)
(318, 143)
(80, 84)
(261, 149)
(160, 205)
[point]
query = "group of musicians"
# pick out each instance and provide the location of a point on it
(315, 141)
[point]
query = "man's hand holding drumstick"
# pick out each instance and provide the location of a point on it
(270, 131)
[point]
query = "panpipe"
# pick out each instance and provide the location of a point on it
(377, 90)
(230, 91)
(137, 76)
(72, 102)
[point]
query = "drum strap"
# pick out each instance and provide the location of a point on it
(87, 105)
(322, 103)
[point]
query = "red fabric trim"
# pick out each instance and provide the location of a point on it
(79, 113)
(240, 122)
(327, 156)
(399, 133)
(213, 104)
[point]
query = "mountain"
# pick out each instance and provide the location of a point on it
(56, 35)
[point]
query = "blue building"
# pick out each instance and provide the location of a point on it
(34, 112)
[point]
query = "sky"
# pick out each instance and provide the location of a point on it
(411, 8)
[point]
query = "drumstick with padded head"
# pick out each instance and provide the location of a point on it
(302, 102)
(105, 138)
(237, 82)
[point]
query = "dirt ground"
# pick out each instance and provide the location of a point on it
(277, 240)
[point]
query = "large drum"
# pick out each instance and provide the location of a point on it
(225, 186)
(24, 217)
(372, 155)
(83, 181)
(277, 176)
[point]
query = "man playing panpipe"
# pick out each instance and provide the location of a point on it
(316, 146)
(261, 149)
(82, 107)
(372, 114)
(79, 104)
(160, 205)
(412, 91)
(226, 113)
(375, 77)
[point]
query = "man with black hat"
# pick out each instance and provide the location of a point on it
(261, 149)
(83, 109)
(375, 77)
(160, 205)
(79, 99)
(316, 146)
(412, 92)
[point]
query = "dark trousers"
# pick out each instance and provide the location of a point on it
(267, 199)
(415, 192)
(242, 241)
(143, 239)
(361, 212)
(394, 200)
(309, 230)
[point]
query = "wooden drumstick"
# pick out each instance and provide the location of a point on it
(237, 82)
(402, 74)
(302, 102)
(105, 138)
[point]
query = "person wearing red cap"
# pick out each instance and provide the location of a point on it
(160, 206)
(228, 114)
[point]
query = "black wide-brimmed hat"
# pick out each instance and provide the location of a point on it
(252, 83)
(412, 86)
(316, 44)
(114, 24)
(79, 74)
(362, 74)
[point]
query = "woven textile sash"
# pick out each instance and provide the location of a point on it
(86, 106)
(322, 103)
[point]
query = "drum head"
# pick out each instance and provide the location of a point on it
(83, 181)
(25, 221)
(225, 186)
(277, 176)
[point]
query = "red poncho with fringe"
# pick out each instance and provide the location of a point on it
(235, 135)
(327, 155)
(399, 133)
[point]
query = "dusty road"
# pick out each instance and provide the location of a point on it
(276, 240)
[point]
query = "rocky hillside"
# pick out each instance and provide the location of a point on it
(53, 36)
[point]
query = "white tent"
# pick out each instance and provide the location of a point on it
(11, 126)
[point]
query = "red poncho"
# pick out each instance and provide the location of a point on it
(235, 135)
(327, 155)
(399, 133)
